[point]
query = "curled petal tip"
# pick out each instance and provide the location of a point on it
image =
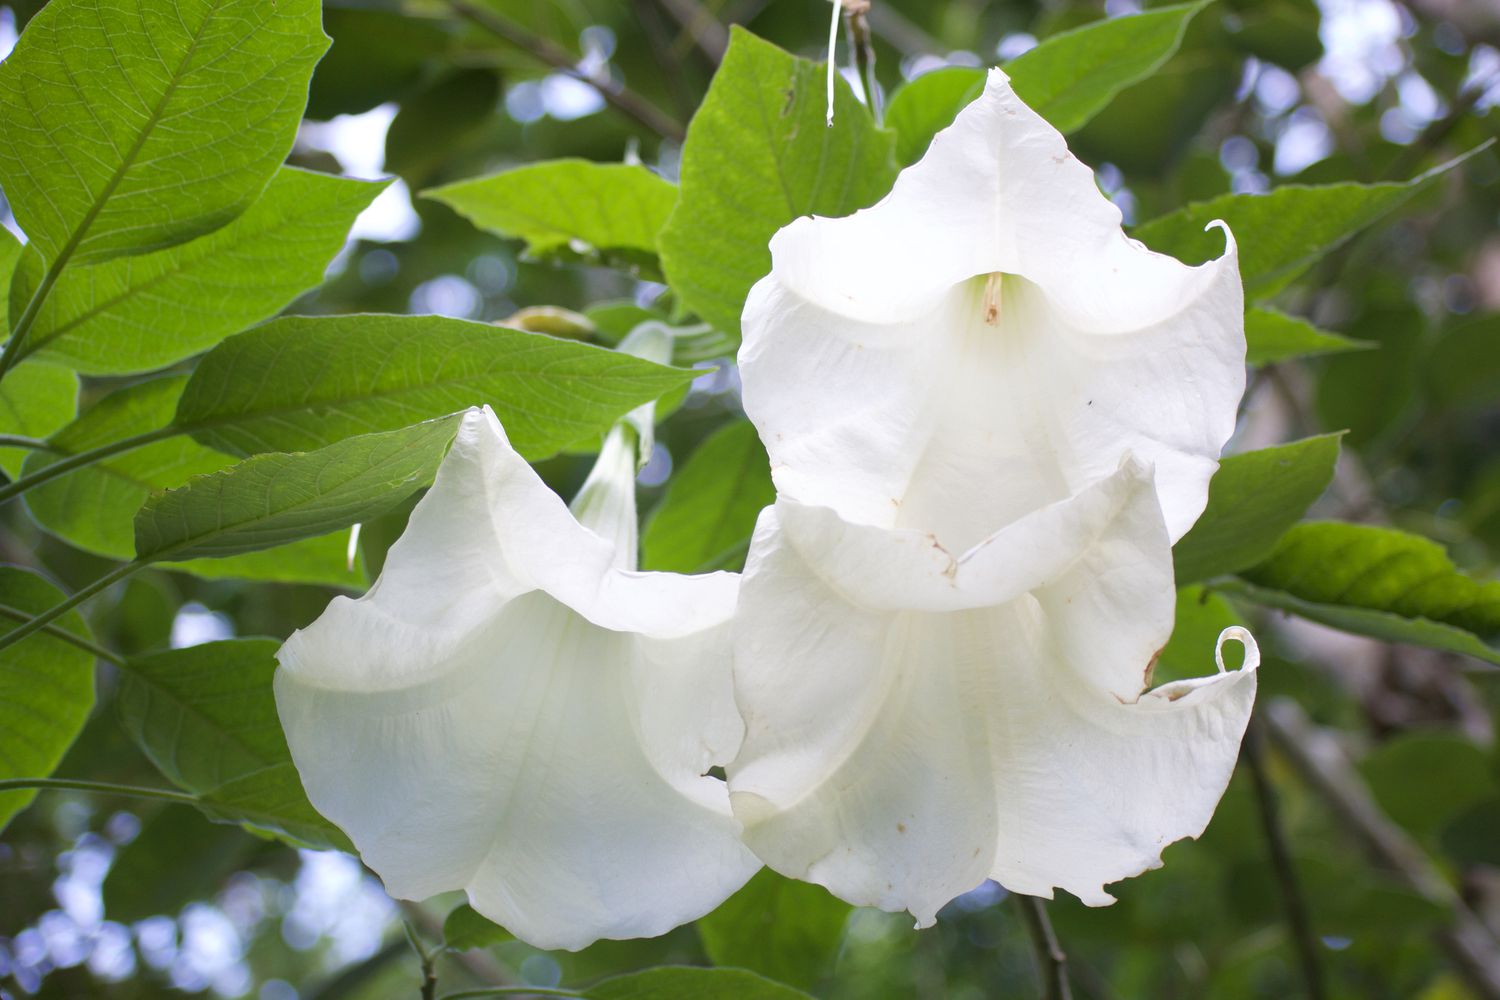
(1229, 245)
(1236, 633)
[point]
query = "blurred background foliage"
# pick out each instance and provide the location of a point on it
(1381, 758)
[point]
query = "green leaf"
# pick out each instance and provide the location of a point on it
(269, 500)
(35, 400)
(1377, 582)
(301, 382)
(685, 983)
(1463, 366)
(131, 127)
(605, 211)
(464, 929)
(1072, 76)
(144, 312)
(1252, 500)
(177, 858)
(705, 519)
(784, 929)
(1281, 233)
(206, 717)
(10, 256)
(1200, 617)
(924, 107)
(93, 507)
(1067, 79)
(46, 686)
(758, 155)
(1422, 780)
(1272, 336)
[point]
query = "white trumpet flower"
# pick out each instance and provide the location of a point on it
(919, 721)
(515, 711)
(989, 413)
(986, 340)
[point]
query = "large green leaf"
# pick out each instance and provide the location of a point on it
(1272, 336)
(35, 400)
(464, 929)
(605, 211)
(1252, 500)
(705, 520)
(1072, 76)
(269, 500)
(1281, 233)
(299, 383)
(46, 686)
(1068, 79)
(93, 507)
(784, 929)
(177, 858)
(144, 312)
(758, 155)
(1377, 582)
(1424, 780)
(924, 107)
(206, 717)
(686, 983)
(130, 127)
(10, 256)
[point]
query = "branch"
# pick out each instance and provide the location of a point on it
(625, 101)
(1051, 960)
(706, 31)
(1325, 767)
(1303, 938)
(70, 785)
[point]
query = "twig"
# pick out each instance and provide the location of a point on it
(1438, 130)
(617, 96)
(699, 24)
(1303, 938)
(97, 651)
(29, 443)
(1051, 960)
(103, 787)
(429, 971)
(1321, 761)
(666, 59)
(863, 46)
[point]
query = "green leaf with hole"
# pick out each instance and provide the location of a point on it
(604, 212)
(759, 154)
(93, 507)
(1068, 79)
(1252, 500)
(1272, 337)
(1282, 233)
(778, 927)
(302, 382)
(131, 127)
(35, 400)
(705, 519)
(46, 686)
(144, 312)
(273, 499)
(1379, 582)
(206, 717)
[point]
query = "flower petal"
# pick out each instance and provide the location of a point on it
(899, 757)
(882, 389)
(470, 727)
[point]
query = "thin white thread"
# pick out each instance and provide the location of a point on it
(833, 44)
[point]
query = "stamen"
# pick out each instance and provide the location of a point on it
(992, 299)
